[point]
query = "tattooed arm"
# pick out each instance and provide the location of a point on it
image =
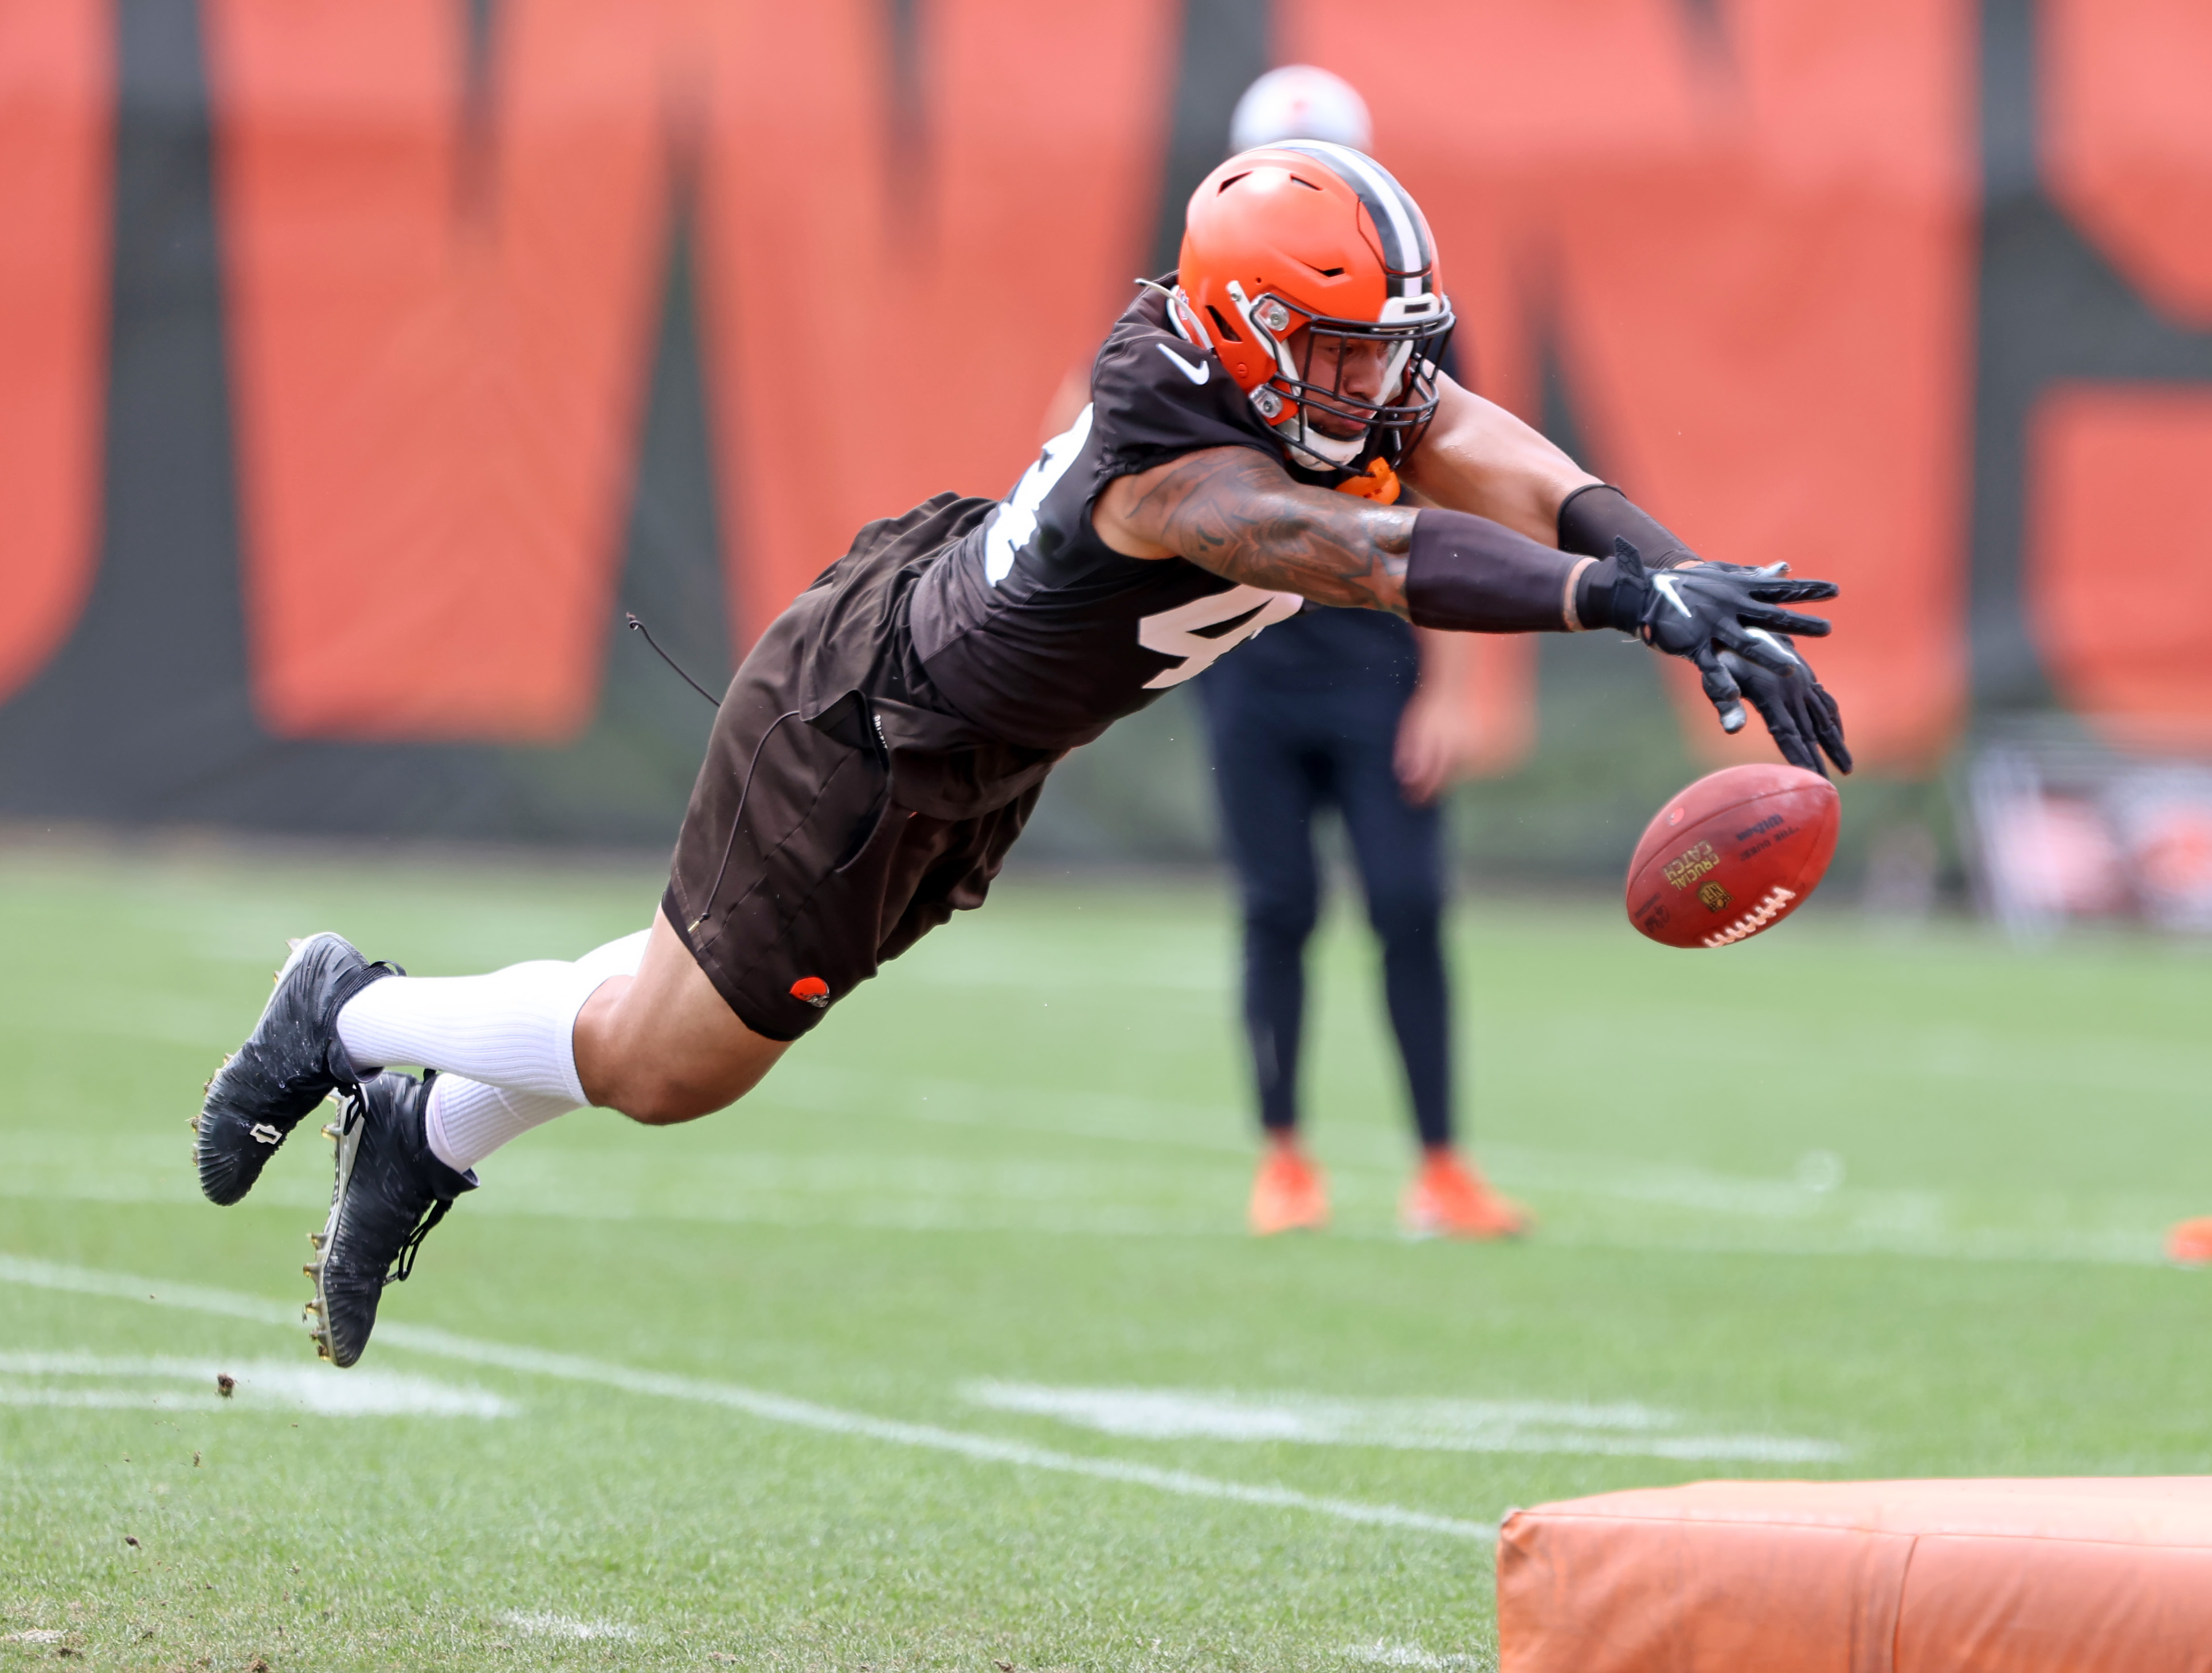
(1236, 511)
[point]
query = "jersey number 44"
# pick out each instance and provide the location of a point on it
(1181, 633)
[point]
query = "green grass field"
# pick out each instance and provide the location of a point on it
(946, 1349)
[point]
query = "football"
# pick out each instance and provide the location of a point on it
(1735, 853)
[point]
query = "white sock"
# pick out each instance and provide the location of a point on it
(468, 1120)
(514, 1029)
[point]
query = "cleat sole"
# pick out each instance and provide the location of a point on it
(348, 1146)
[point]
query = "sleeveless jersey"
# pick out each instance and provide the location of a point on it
(1030, 625)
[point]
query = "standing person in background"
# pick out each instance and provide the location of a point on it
(1359, 710)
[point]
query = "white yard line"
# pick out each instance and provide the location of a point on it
(754, 1403)
(107, 1380)
(543, 1624)
(1847, 1221)
(1382, 1653)
(1432, 1425)
(1907, 1225)
(1855, 1227)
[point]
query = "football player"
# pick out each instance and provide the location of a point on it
(1267, 425)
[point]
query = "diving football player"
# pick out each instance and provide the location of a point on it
(880, 748)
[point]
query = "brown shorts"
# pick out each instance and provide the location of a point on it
(827, 874)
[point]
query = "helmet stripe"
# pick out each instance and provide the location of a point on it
(1405, 240)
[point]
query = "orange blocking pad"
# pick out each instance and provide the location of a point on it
(1863, 1577)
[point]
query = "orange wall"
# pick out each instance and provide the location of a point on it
(56, 119)
(889, 310)
(2120, 567)
(441, 337)
(1758, 268)
(2126, 138)
(1753, 252)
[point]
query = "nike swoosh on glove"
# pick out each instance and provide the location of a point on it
(1693, 612)
(1723, 617)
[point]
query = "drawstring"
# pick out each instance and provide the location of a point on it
(729, 847)
(640, 627)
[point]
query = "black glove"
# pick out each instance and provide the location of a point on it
(1799, 713)
(1722, 617)
(1692, 612)
(1796, 707)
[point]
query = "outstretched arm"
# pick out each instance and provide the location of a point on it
(1477, 457)
(1236, 511)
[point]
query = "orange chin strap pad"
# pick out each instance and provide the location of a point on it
(1380, 484)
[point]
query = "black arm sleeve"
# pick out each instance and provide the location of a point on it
(1591, 518)
(1474, 576)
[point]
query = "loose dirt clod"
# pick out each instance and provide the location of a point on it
(225, 1384)
(131, 1540)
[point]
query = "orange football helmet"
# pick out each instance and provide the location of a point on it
(1302, 262)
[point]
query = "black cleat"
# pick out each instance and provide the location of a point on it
(289, 1063)
(391, 1191)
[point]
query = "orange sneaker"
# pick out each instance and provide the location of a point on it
(2189, 1244)
(1449, 1197)
(1289, 1194)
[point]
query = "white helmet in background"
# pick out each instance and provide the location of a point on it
(1300, 101)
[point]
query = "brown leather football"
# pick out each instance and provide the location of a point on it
(1735, 853)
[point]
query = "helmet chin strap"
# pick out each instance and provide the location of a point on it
(1327, 450)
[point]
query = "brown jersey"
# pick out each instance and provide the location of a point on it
(1037, 630)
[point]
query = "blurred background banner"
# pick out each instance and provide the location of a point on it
(365, 362)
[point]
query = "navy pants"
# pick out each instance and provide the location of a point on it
(1305, 717)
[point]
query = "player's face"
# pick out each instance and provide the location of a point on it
(1352, 366)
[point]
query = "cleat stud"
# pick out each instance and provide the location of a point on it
(314, 1307)
(330, 1132)
(313, 1270)
(317, 1238)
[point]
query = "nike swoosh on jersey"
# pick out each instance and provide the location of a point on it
(1197, 374)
